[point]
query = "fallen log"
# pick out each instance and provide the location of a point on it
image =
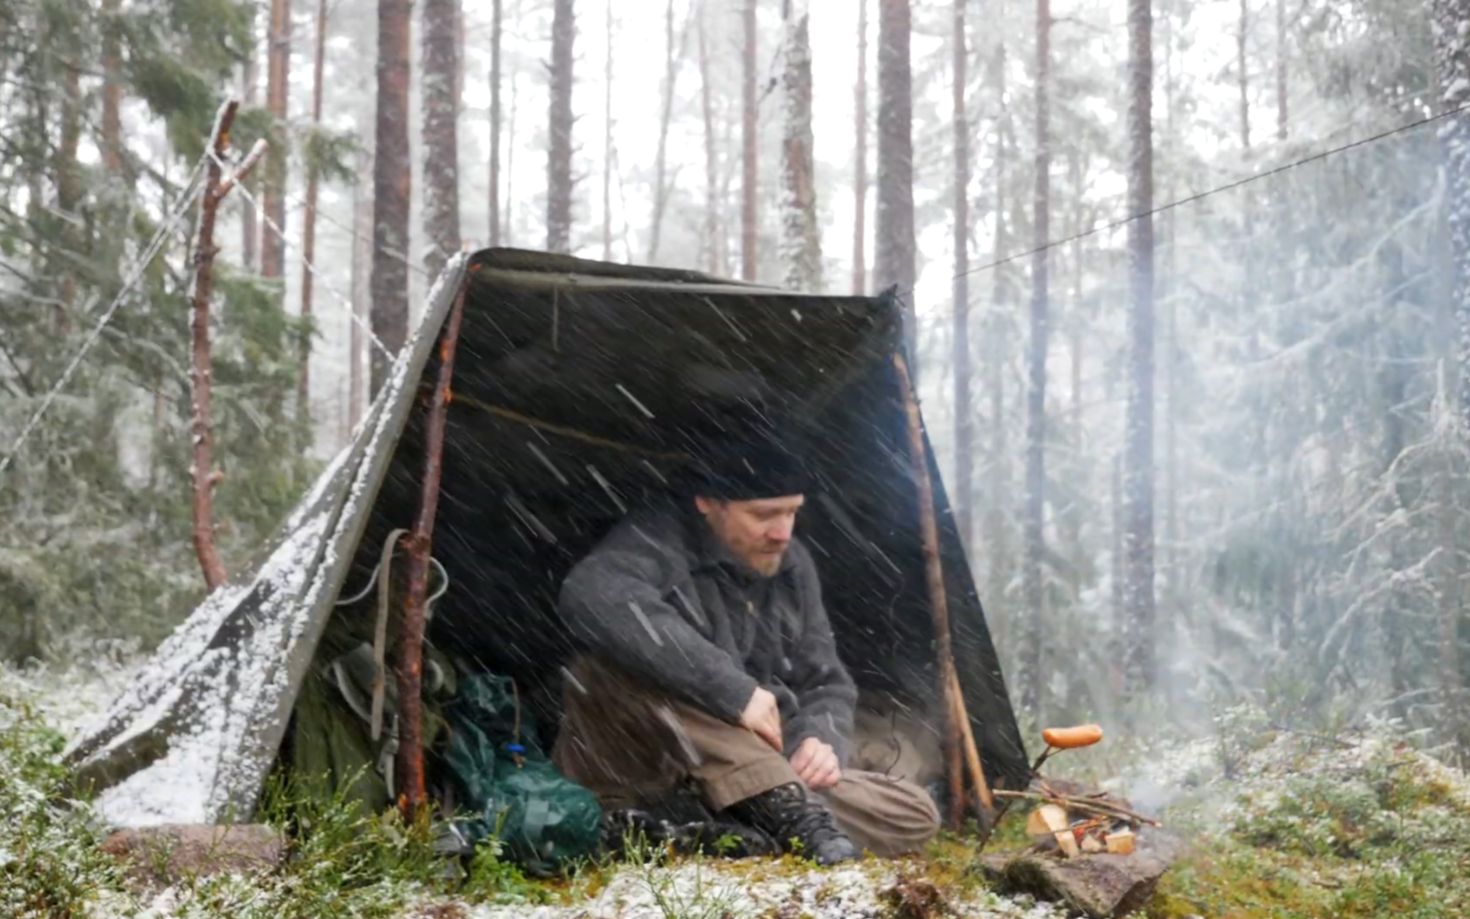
(1100, 885)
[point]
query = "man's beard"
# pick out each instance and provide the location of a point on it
(766, 564)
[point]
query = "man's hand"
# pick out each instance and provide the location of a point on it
(763, 716)
(816, 764)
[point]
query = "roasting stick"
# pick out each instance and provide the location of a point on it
(1056, 739)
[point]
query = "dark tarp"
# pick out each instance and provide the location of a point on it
(579, 388)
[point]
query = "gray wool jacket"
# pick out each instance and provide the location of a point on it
(661, 597)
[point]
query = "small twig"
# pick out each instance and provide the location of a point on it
(1082, 804)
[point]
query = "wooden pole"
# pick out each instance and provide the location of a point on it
(201, 370)
(410, 658)
(959, 741)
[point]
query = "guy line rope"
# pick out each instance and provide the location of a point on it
(1228, 186)
(346, 302)
(191, 191)
(157, 243)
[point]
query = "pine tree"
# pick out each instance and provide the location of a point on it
(749, 146)
(392, 187)
(801, 240)
(1451, 28)
(277, 96)
(713, 242)
(1033, 516)
(119, 561)
(308, 216)
(894, 248)
(496, 29)
(440, 134)
(559, 125)
(661, 183)
(860, 158)
(1138, 458)
(964, 428)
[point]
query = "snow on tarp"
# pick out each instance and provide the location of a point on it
(193, 737)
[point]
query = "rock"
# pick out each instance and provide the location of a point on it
(163, 855)
(1101, 886)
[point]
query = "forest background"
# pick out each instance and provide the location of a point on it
(1188, 286)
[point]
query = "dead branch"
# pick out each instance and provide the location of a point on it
(1090, 805)
(202, 471)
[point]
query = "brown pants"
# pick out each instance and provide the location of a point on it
(630, 744)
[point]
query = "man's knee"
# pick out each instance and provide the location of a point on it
(884, 815)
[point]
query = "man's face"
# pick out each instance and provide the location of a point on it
(756, 532)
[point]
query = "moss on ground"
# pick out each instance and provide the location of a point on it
(1356, 831)
(1303, 829)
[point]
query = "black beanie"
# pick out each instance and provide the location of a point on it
(746, 469)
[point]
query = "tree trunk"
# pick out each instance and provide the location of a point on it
(860, 159)
(277, 93)
(801, 240)
(607, 139)
(1242, 75)
(997, 353)
(893, 255)
(440, 137)
(1281, 102)
(714, 250)
(1138, 458)
(112, 77)
(496, 28)
(362, 254)
(661, 159)
(69, 193)
(308, 220)
(964, 427)
(1452, 70)
(750, 151)
(1034, 628)
(507, 207)
(392, 187)
(559, 123)
(250, 79)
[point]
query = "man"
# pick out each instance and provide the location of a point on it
(709, 663)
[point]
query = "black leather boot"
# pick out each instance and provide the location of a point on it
(797, 822)
(680, 821)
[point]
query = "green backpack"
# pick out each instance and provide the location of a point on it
(508, 787)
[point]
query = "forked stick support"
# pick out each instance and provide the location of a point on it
(962, 756)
